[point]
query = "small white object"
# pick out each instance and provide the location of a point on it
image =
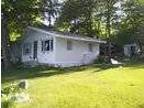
(113, 61)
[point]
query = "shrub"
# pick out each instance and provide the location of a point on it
(7, 103)
(102, 60)
(11, 89)
(7, 94)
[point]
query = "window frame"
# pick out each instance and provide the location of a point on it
(27, 46)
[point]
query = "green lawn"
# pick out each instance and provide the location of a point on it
(97, 86)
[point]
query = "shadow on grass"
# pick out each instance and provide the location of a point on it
(141, 106)
(102, 67)
(138, 65)
(43, 71)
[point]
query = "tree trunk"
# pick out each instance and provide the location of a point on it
(109, 30)
(89, 24)
(5, 44)
(140, 46)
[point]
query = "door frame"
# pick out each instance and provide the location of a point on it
(35, 49)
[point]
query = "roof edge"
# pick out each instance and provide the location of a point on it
(68, 37)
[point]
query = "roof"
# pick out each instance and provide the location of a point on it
(128, 45)
(66, 35)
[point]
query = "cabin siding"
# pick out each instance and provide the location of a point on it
(79, 54)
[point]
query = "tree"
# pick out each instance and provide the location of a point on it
(92, 17)
(131, 25)
(16, 15)
(51, 10)
(4, 43)
(134, 10)
(77, 16)
(110, 17)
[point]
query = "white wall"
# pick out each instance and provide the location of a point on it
(78, 55)
(42, 57)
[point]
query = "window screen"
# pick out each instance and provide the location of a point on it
(26, 48)
(47, 45)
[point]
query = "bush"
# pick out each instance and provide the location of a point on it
(7, 93)
(8, 103)
(11, 89)
(102, 60)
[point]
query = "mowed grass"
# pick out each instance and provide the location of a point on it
(96, 86)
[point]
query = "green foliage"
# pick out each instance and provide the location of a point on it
(19, 14)
(50, 10)
(77, 16)
(7, 104)
(130, 27)
(118, 20)
(7, 93)
(23, 13)
(124, 37)
(13, 88)
(89, 17)
(102, 60)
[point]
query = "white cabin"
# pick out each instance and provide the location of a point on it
(57, 49)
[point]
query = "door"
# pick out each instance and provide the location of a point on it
(132, 51)
(35, 50)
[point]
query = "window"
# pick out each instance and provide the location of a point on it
(26, 48)
(47, 45)
(69, 45)
(90, 47)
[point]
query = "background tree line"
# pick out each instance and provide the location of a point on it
(118, 21)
